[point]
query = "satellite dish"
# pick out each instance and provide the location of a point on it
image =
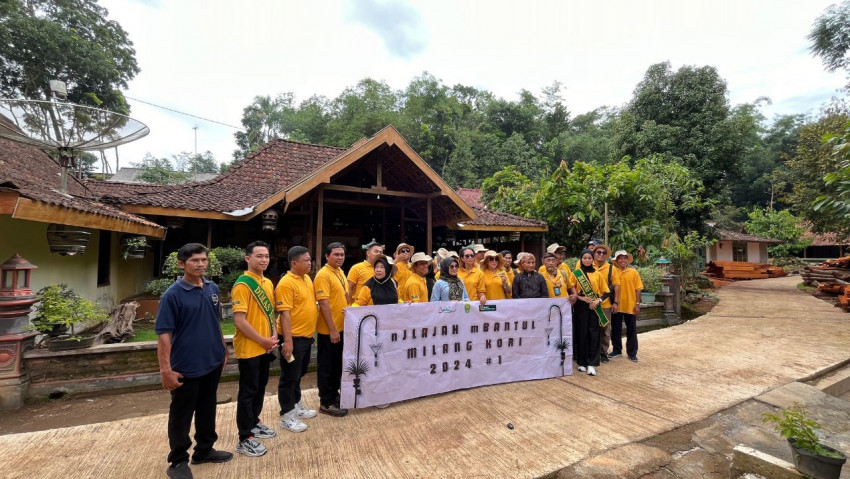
(67, 128)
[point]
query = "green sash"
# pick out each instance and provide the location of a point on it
(588, 291)
(261, 297)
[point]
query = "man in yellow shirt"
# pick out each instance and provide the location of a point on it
(560, 284)
(629, 307)
(332, 294)
(255, 339)
(295, 300)
(415, 290)
(401, 260)
(558, 253)
(362, 271)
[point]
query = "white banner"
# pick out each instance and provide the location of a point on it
(404, 351)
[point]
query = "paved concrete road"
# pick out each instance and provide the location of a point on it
(762, 335)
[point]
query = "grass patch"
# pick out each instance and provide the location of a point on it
(804, 287)
(145, 332)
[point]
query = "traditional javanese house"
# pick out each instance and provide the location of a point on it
(288, 193)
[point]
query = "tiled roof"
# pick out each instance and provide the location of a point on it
(35, 175)
(269, 170)
(131, 175)
(728, 235)
(824, 239)
(487, 217)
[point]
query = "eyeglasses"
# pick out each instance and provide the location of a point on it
(469, 256)
(452, 266)
(404, 250)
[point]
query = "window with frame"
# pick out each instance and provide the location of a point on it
(739, 251)
(104, 255)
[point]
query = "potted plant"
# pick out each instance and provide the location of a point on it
(811, 457)
(61, 309)
(134, 247)
(650, 276)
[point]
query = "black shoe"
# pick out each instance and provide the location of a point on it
(615, 354)
(214, 456)
(179, 471)
(333, 410)
(633, 359)
(603, 358)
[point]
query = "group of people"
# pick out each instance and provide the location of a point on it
(281, 322)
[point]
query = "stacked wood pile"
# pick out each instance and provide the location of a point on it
(832, 278)
(744, 270)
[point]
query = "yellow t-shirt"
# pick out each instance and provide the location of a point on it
(402, 272)
(473, 280)
(597, 282)
(571, 278)
(331, 284)
(295, 294)
(509, 272)
(244, 302)
(630, 284)
(557, 280)
(615, 280)
(415, 290)
(493, 285)
(359, 274)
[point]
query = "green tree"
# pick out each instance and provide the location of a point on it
(508, 190)
(160, 171)
(781, 225)
(805, 171)
(191, 163)
(361, 111)
(68, 40)
(830, 36)
(684, 114)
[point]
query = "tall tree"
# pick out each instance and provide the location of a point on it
(684, 114)
(830, 37)
(68, 40)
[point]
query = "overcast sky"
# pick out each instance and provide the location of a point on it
(211, 58)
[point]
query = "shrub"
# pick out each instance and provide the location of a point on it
(60, 307)
(651, 278)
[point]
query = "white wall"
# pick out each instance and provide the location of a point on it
(754, 253)
(724, 251)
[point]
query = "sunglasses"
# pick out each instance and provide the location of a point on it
(601, 253)
(452, 266)
(492, 259)
(404, 250)
(469, 256)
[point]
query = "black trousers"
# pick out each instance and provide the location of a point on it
(196, 397)
(329, 374)
(631, 334)
(289, 387)
(253, 377)
(586, 341)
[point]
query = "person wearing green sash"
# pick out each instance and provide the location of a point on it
(587, 315)
(255, 339)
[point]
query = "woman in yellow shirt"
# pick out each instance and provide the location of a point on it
(496, 284)
(510, 272)
(471, 276)
(587, 329)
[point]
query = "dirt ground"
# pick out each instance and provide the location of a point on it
(75, 411)
(67, 412)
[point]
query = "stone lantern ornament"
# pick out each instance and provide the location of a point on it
(16, 300)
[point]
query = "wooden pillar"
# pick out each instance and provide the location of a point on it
(209, 234)
(476, 236)
(383, 226)
(317, 260)
(401, 240)
(310, 228)
(521, 242)
(428, 245)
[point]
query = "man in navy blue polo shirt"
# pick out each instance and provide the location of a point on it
(192, 354)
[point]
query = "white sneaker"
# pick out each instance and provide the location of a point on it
(591, 371)
(291, 422)
(382, 406)
(303, 412)
(582, 369)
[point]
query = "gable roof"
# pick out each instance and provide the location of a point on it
(131, 175)
(285, 171)
(490, 220)
(31, 184)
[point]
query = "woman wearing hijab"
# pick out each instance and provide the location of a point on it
(380, 288)
(449, 287)
(496, 284)
(591, 287)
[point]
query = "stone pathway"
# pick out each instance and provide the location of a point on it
(763, 335)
